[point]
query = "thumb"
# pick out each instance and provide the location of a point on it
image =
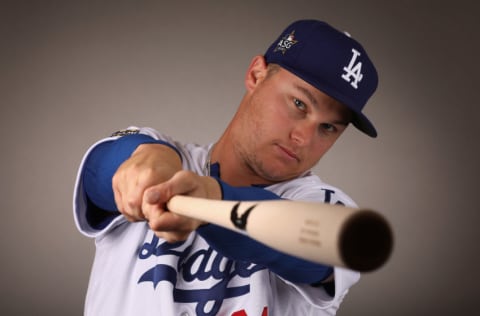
(153, 196)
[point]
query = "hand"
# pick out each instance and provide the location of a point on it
(149, 164)
(170, 226)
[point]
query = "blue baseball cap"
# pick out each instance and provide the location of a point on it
(331, 61)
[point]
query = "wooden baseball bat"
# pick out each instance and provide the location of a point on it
(358, 239)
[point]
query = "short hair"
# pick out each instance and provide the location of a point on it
(272, 69)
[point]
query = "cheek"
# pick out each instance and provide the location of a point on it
(262, 117)
(269, 116)
(319, 149)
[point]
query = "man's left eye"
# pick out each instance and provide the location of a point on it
(328, 127)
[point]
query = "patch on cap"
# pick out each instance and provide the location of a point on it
(125, 132)
(286, 43)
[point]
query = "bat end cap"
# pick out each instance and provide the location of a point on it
(366, 241)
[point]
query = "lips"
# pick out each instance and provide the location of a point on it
(289, 153)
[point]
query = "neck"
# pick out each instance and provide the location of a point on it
(233, 170)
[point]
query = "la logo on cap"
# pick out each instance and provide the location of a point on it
(353, 73)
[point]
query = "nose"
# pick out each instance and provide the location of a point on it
(303, 133)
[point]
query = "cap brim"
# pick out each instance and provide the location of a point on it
(361, 122)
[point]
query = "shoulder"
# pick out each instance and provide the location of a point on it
(310, 187)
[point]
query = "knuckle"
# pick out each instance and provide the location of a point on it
(185, 175)
(155, 225)
(132, 204)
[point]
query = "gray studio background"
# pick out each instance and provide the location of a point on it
(73, 72)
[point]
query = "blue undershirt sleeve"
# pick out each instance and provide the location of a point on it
(99, 168)
(242, 248)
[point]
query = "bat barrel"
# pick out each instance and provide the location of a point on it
(366, 241)
(359, 239)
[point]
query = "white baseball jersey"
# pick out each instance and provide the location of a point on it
(136, 273)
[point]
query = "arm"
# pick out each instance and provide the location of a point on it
(118, 174)
(243, 248)
(98, 170)
(134, 176)
(103, 162)
(145, 176)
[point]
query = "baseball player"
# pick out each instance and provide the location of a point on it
(311, 83)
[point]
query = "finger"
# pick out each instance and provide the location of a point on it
(182, 182)
(119, 203)
(172, 237)
(130, 218)
(160, 220)
(118, 199)
(133, 206)
(154, 209)
(128, 190)
(156, 197)
(129, 197)
(154, 205)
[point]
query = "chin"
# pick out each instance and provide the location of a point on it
(276, 176)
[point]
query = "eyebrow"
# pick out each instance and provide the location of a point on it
(312, 99)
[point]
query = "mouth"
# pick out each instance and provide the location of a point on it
(288, 153)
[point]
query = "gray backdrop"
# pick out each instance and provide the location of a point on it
(73, 72)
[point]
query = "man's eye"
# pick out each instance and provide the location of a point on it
(328, 127)
(300, 105)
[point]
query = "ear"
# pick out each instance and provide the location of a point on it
(256, 72)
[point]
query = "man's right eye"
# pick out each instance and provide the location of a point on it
(300, 105)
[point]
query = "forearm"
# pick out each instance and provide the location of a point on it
(103, 162)
(240, 247)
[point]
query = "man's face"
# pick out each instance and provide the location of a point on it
(287, 126)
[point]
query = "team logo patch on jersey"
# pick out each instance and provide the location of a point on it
(209, 275)
(286, 43)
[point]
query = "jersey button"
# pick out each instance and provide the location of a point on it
(184, 314)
